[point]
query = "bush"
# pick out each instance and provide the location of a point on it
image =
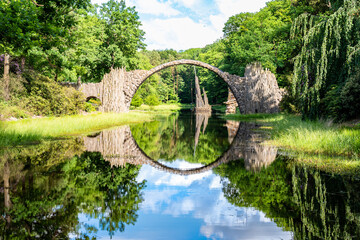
(7, 111)
(16, 87)
(152, 100)
(46, 97)
(89, 107)
(136, 101)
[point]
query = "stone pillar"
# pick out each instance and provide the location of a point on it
(113, 97)
(231, 104)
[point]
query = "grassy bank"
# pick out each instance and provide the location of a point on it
(290, 132)
(35, 130)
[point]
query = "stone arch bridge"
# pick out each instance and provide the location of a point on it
(256, 92)
(119, 147)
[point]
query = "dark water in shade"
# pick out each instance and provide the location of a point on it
(180, 177)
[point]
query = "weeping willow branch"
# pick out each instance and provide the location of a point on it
(328, 48)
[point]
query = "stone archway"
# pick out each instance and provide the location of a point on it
(256, 92)
(221, 74)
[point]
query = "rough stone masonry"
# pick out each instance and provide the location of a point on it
(256, 92)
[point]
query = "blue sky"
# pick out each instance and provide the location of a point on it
(184, 24)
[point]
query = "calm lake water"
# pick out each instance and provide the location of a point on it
(184, 176)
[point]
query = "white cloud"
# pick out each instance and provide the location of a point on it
(178, 33)
(187, 3)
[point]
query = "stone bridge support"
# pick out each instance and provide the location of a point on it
(257, 92)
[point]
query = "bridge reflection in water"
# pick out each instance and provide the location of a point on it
(119, 147)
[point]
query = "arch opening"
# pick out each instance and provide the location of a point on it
(222, 75)
(92, 103)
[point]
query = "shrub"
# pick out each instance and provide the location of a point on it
(136, 101)
(89, 107)
(46, 97)
(152, 100)
(7, 111)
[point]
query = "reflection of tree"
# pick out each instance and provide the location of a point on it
(268, 190)
(329, 205)
(45, 194)
(38, 197)
(173, 139)
(312, 204)
(111, 195)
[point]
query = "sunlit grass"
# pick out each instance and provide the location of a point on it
(330, 164)
(163, 107)
(34, 130)
(316, 137)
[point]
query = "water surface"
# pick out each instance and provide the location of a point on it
(184, 176)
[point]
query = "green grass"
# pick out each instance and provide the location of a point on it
(163, 107)
(332, 164)
(30, 131)
(314, 137)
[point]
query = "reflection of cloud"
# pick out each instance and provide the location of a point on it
(162, 178)
(201, 197)
(215, 183)
(155, 198)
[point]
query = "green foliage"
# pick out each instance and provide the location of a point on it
(7, 111)
(136, 101)
(172, 138)
(47, 97)
(349, 97)
(89, 107)
(268, 190)
(261, 37)
(152, 100)
(40, 33)
(327, 61)
(310, 203)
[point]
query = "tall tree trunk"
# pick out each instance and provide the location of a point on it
(6, 76)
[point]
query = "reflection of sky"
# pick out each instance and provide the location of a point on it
(192, 207)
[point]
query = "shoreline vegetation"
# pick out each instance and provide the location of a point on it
(33, 131)
(330, 147)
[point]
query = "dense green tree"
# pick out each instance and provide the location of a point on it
(122, 38)
(326, 68)
(261, 37)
